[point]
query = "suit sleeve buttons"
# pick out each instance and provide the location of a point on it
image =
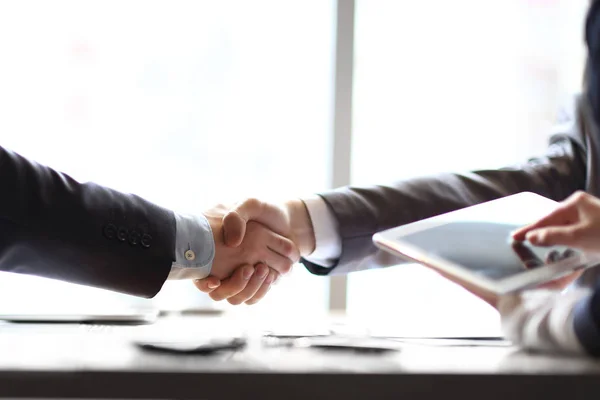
(146, 240)
(110, 231)
(134, 238)
(122, 234)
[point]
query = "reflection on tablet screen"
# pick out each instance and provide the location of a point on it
(485, 248)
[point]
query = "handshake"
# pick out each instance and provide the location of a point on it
(255, 242)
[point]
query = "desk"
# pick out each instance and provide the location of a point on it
(77, 361)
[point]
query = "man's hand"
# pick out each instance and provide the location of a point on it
(261, 245)
(290, 220)
(575, 223)
(247, 284)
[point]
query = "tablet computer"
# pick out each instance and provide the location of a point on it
(473, 245)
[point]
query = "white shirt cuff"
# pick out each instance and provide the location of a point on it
(328, 243)
(542, 319)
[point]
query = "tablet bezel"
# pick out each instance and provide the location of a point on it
(525, 208)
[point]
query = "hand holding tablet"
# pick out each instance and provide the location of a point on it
(474, 246)
(575, 222)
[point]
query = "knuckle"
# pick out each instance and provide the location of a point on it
(575, 234)
(235, 301)
(273, 277)
(542, 236)
(261, 270)
(216, 296)
(286, 246)
(251, 202)
(204, 289)
(580, 196)
(286, 267)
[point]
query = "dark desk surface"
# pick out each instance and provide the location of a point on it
(78, 361)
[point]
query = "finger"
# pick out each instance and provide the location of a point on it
(568, 253)
(264, 289)
(284, 247)
(279, 263)
(261, 271)
(208, 284)
(526, 256)
(234, 284)
(563, 215)
(552, 236)
(276, 277)
(553, 256)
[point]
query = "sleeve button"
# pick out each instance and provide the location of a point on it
(146, 239)
(110, 231)
(122, 234)
(190, 255)
(134, 238)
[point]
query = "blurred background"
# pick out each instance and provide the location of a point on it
(237, 98)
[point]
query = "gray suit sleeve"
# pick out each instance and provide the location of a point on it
(363, 211)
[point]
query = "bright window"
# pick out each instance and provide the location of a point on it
(452, 86)
(186, 103)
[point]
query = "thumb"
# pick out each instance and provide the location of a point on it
(234, 222)
(234, 228)
(551, 236)
(270, 215)
(208, 284)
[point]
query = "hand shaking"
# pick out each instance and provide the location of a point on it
(256, 242)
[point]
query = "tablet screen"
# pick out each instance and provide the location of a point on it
(485, 248)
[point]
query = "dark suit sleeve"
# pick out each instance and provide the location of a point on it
(55, 227)
(587, 322)
(362, 211)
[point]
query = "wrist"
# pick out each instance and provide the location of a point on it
(303, 234)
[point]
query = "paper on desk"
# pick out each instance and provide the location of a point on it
(454, 342)
(396, 329)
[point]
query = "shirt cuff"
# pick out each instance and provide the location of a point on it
(542, 319)
(194, 248)
(328, 243)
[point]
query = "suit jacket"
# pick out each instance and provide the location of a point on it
(571, 164)
(55, 227)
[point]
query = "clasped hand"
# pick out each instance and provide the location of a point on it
(575, 223)
(256, 242)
